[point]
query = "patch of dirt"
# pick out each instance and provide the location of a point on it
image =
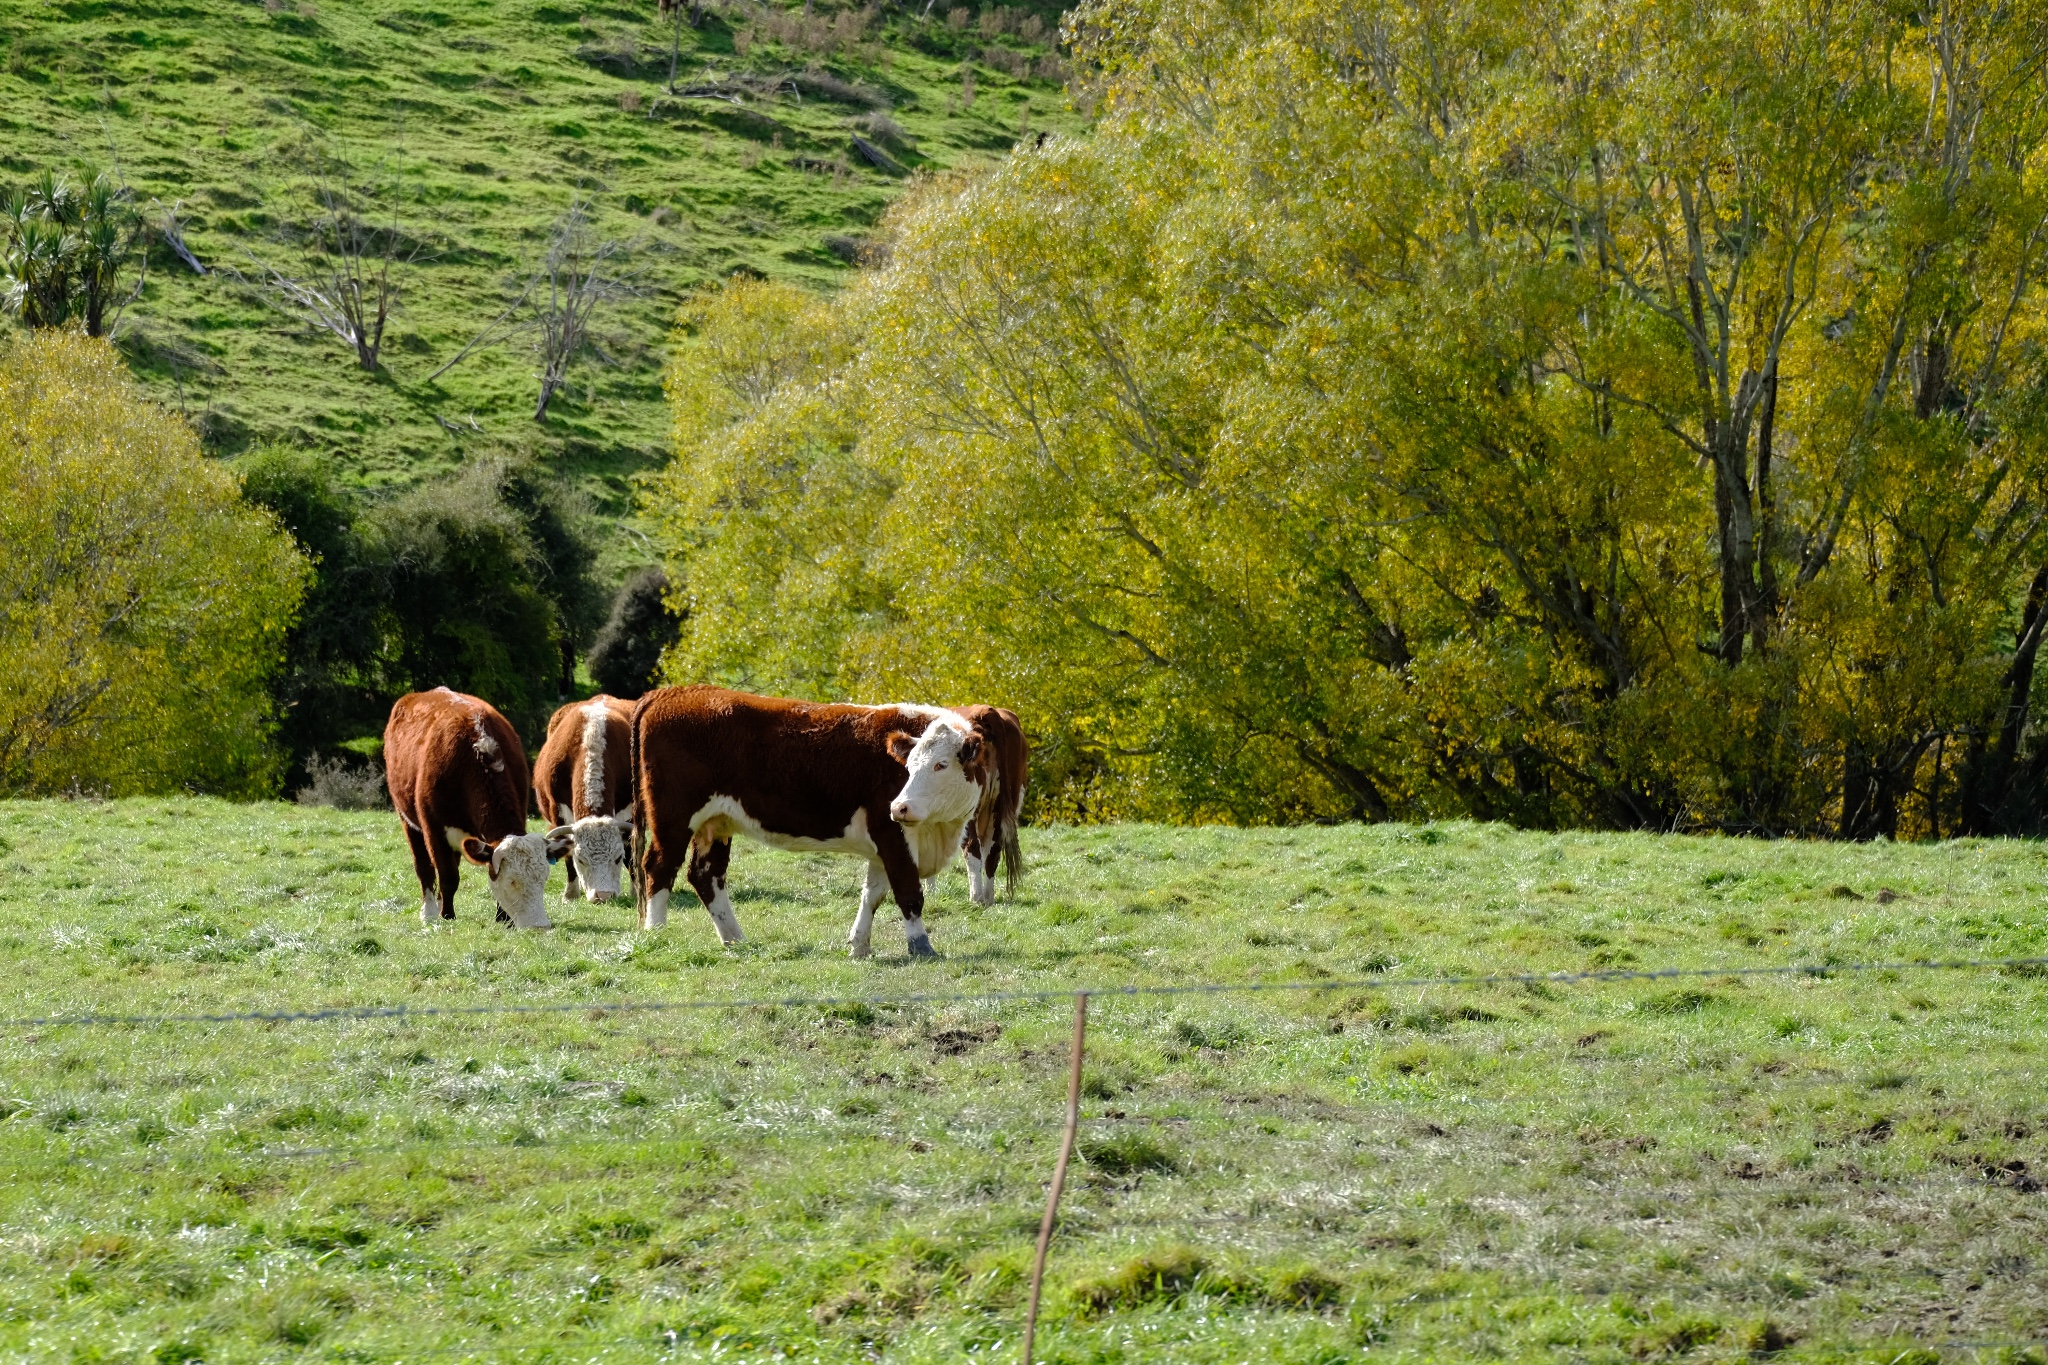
(953, 1042)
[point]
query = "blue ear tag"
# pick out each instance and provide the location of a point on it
(554, 858)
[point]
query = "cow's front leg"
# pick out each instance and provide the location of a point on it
(574, 890)
(872, 891)
(904, 884)
(708, 857)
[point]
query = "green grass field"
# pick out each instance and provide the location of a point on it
(1829, 1168)
(476, 120)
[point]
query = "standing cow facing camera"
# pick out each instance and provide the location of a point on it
(895, 785)
(457, 775)
(582, 779)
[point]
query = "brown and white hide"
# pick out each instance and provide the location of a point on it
(991, 835)
(457, 775)
(893, 785)
(582, 778)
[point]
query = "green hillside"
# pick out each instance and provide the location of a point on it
(475, 122)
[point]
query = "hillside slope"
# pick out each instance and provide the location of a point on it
(474, 123)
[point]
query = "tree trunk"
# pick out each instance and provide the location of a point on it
(1996, 793)
(1765, 610)
(1733, 618)
(675, 48)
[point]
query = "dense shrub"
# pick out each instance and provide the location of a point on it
(143, 605)
(333, 686)
(626, 659)
(481, 581)
(465, 605)
(563, 560)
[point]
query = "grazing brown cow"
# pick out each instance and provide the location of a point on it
(581, 779)
(892, 784)
(991, 835)
(457, 775)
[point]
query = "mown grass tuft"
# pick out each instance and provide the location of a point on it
(1128, 1153)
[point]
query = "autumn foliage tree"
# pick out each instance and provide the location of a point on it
(1584, 413)
(143, 604)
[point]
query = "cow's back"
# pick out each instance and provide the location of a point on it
(585, 769)
(452, 760)
(799, 768)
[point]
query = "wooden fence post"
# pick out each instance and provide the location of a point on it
(1059, 1172)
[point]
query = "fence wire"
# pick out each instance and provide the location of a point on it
(1087, 1219)
(601, 1008)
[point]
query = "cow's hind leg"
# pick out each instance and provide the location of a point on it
(447, 866)
(872, 892)
(708, 857)
(423, 868)
(981, 866)
(658, 868)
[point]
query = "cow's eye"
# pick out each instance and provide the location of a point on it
(938, 767)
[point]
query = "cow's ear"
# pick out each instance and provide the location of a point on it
(560, 840)
(900, 746)
(477, 851)
(625, 817)
(970, 749)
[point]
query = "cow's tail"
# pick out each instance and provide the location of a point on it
(1018, 760)
(635, 862)
(1013, 859)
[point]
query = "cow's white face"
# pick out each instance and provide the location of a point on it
(600, 854)
(939, 787)
(518, 865)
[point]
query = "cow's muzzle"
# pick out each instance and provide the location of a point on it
(900, 813)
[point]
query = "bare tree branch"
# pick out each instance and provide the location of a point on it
(346, 286)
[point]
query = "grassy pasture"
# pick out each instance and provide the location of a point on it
(1814, 1168)
(474, 121)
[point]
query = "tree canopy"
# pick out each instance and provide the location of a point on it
(143, 605)
(1589, 412)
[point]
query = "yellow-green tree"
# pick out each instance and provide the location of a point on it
(143, 605)
(767, 495)
(1599, 411)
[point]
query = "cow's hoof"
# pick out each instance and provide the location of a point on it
(447, 912)
(921, 947)
(859, 950)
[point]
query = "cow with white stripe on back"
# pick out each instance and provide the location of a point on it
(895, 785)
(581, 779)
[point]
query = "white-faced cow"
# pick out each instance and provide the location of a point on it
(892, 784)
(457, 775)
(581, 779)
(991, 836)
